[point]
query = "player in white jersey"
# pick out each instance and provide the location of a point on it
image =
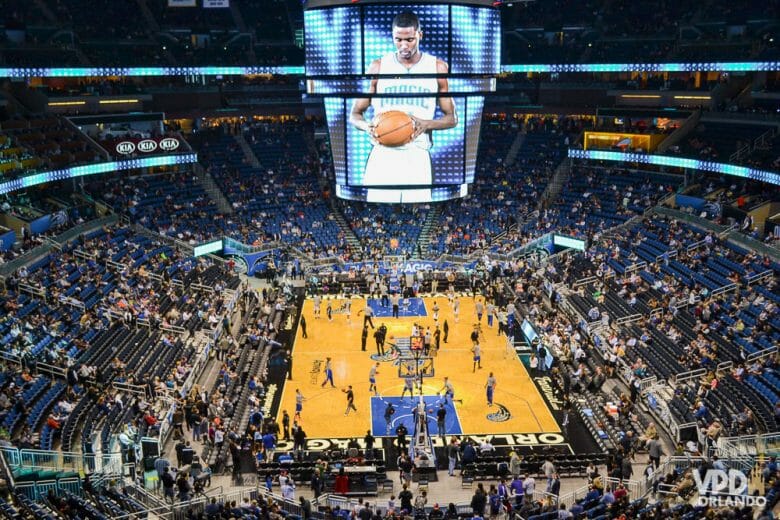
(409, 164)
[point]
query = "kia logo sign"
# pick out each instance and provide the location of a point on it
(147, 146)
(169, 144)
(125, 147)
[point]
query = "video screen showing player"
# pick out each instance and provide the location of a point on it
(408, 163)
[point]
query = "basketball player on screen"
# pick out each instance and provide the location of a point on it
(409, 164)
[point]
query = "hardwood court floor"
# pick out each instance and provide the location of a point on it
(323, 410)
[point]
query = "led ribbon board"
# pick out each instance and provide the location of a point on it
(679, 162)
(568, 242)
(208, 247)
(81, 72)
(95, 169)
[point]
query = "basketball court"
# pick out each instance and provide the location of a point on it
(518, 408)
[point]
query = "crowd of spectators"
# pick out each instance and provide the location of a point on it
(263, 33)
(278, 199)
(29, 144)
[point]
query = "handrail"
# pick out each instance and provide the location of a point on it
(760, 277)
(51, 370)
(689, 375)
(762, 354)
(127, 387)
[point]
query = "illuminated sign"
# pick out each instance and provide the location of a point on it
(748, 66)
(80, 72)
(571, 243)
(95, 169)
(679, 162)
(208, 247)
(125, 147)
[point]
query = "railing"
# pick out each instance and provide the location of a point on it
(762, 354)
(636, 489)
(60, 461)
(41, 250)
(725, 289)
(647, 383)
(173, 329)
(635, 267)
(726, 366)
(761, 277)
(750, 243)
(687, 376)
(34, 291)
(73, 302)
(585, 281)
(181, 510)
(51, 370)
(693, 220)
(131, 389)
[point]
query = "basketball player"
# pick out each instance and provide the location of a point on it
(328, 374)
(477, 350)
(490, 388)
(372, 379)
(299, 399)
(409, 164)
(408, 386)
(448, 389)
(317, 303)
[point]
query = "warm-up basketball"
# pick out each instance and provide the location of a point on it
(393, 128)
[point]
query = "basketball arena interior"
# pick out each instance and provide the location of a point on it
(389, 259)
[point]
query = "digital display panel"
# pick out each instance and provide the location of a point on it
(345, 40)
(433, 63)
(402, 196)
(443, 157)
(209, 247)
(571, 243)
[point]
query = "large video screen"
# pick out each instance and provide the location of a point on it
(445, 157)
(432, 62)
(346, 40)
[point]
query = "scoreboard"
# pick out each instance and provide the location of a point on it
(352, 63)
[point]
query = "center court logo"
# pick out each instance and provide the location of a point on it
(391, 354)
(501, 415)
(721, 488)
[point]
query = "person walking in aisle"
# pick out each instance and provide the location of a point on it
(453, 451)
(350, 400)
(328, 373)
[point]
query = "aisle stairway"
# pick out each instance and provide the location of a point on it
(424, 240)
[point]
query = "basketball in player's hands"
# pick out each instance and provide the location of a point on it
(393, 128)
